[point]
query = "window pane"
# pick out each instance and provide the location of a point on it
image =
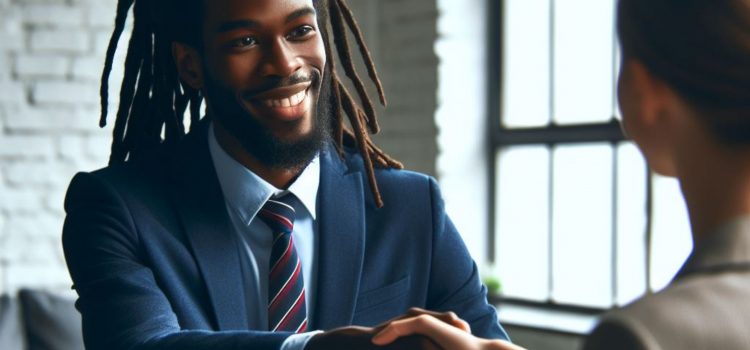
(583, 61)
(671, 241)
(631, 224)
(582, 224)
(526, 70)
(522, 217)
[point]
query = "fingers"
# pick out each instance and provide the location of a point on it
(449, 317)
(461, 324)
(424, 324)
(444, 335)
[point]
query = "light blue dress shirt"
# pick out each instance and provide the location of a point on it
(245, 193)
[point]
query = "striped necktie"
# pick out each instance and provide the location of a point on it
(287, 311)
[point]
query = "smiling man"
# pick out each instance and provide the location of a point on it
(271, 224)
(261, 72)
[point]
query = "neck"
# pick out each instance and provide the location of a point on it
(715, 181)
(278, 177)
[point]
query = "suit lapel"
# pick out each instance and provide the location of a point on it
(341, 243)
(203, 213)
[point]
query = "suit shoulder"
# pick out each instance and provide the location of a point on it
(402, 177)
(126, 180)
(696, 312)
(354, 162)
(396, 182)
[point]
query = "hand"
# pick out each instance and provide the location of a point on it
(347, 338)
(445, 335)
(446, 317)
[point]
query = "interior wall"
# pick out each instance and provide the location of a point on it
(401, 35)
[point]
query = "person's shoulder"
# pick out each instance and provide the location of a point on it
(716, 296)
(634, 326)
(697, 312)
(153, 165)
(399, 188)
(354, 162)
(127, 179)
(144, 169)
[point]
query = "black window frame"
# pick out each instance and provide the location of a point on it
(499, 137)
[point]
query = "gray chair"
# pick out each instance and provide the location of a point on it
(38, 320)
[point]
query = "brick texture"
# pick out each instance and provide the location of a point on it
(401, 35)
(49, 77)
(51, 56)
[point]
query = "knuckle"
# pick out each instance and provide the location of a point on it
(423, 319)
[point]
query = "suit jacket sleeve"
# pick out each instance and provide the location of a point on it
(454, 282)
(119, 299)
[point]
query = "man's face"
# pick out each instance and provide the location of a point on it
(263, 64)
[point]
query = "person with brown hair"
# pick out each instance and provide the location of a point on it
(275, 222)
(684, 91)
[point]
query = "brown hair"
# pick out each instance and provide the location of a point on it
(701, 48)
(152, 98)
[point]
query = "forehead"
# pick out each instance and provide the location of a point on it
(262, 11)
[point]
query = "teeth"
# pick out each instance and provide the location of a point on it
(294, 100)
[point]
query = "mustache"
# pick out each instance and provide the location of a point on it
(314, 77)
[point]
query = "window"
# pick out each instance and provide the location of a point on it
(579, 222)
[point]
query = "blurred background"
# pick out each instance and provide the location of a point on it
(510, 104)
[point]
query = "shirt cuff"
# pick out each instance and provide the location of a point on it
(298, 341)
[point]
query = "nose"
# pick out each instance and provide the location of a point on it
(281, 60)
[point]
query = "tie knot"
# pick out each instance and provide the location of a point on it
(278, 214)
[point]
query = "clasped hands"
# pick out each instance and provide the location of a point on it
(417, 329)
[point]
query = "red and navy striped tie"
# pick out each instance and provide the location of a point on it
(287, 311)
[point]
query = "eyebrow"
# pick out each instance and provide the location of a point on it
(249, 23)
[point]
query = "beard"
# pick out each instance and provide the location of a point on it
(260, 142)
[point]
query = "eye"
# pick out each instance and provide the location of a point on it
(300, 32)
(242, 42)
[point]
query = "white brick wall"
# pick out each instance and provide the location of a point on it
(401, 36)
(51, 54)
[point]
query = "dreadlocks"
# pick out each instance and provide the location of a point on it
(153, 101)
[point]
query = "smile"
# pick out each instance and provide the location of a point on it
(294, 100)
(288, 103)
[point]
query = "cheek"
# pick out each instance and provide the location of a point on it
(233, 71)
(238, 69)
(317, 56)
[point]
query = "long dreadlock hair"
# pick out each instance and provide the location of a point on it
(153, 101)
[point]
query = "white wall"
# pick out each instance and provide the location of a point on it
(461, 119)
(51, 53)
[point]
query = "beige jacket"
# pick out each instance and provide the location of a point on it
(707, 305)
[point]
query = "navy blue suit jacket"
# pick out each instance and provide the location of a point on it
(154, 260)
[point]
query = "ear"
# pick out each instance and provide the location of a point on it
(649, 114)
(189, 64)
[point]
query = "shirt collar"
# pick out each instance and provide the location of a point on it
(246, 193)
(726, 246)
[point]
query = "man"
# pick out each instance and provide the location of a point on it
(254, 230)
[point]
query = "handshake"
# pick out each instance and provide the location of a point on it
(417, 329)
